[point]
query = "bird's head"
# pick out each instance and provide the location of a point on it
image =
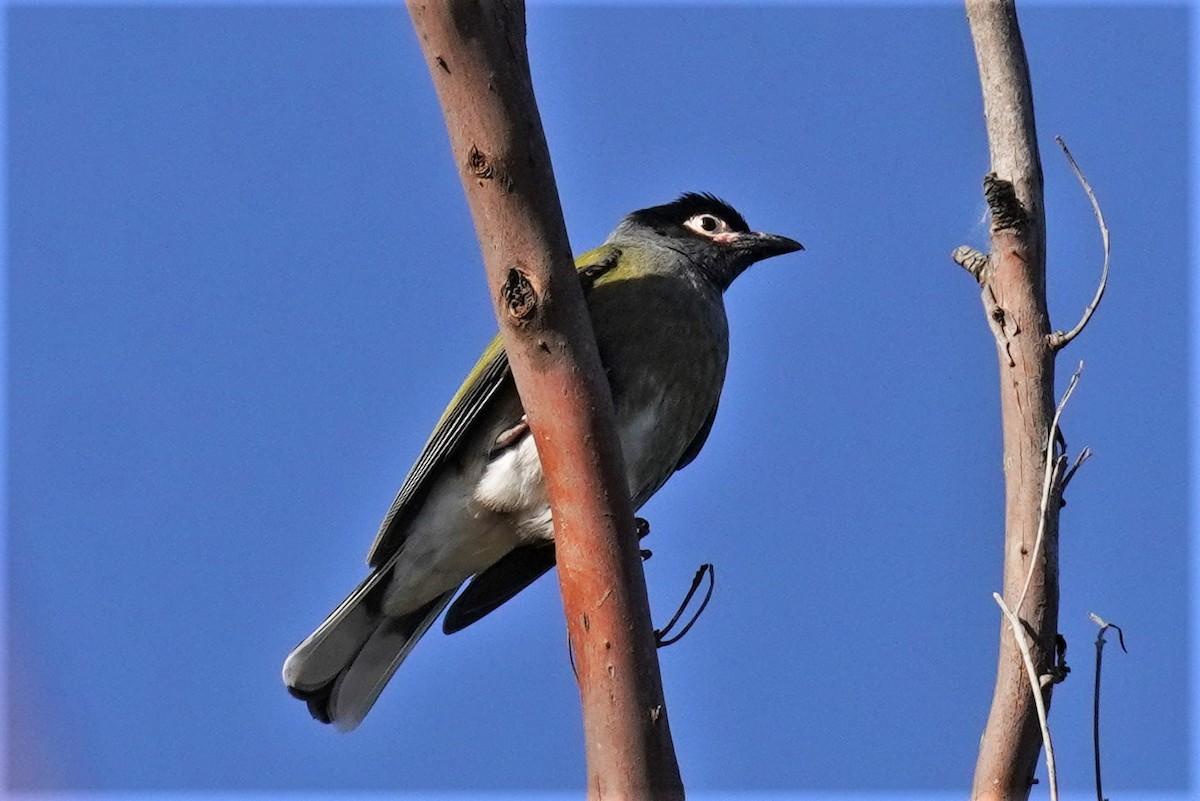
(710, 235)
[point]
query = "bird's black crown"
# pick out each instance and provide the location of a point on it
(688, 205)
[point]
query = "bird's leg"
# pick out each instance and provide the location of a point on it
(641, 527)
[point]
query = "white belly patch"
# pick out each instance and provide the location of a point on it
(512, 483)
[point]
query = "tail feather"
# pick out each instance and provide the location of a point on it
(341, 668)
(323, 654)
(354, 692)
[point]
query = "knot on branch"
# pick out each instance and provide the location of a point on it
(479, 164)
(519, 296)
(488, 168)
(971, 260)
(1007, 212)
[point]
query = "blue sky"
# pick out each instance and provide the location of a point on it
(242, 285)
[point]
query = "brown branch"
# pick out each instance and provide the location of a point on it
(1054, 477)
(1014, 298)
(1018, 632)
(476, 54)
(1055, 468)
(1059, 339)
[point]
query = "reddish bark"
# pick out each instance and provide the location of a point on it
(476, 53)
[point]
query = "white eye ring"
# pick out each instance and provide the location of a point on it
(707, 225)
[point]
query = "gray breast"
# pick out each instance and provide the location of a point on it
(664, 342)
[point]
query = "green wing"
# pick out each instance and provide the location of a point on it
(488, 376)
(490, 373)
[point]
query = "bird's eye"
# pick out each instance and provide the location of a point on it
(706, 224)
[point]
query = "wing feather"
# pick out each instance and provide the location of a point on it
(489, 375)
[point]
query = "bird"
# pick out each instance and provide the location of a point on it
(473, 509)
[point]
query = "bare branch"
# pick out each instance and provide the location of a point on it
(1035, 686)
(1054, 471)
(477, 56)
(1059, 339)
(1013, 294)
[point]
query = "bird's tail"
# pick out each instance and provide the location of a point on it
(341, 668)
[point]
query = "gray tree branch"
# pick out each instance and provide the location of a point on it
(1013, 289)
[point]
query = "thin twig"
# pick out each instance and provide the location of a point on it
(1104, 626)
(1059, 339)
(1035, 686)
(663, 635)
(1083, 456)
(1053, 468)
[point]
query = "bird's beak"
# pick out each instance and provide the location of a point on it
(764, 246)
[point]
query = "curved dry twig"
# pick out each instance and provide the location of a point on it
(1060, 339)
(1104, 626)
(663, 636)
(1035, 686)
